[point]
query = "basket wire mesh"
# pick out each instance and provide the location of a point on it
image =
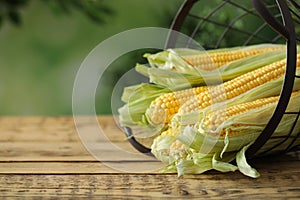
(214, 25)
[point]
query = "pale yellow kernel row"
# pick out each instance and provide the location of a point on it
(212, 61)
(165, 106)
(237, 86)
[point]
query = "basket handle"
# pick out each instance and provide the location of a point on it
(270, 19)
(138, 146)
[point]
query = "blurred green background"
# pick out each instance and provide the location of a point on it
(43, 43)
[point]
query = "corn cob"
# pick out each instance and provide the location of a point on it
(171, 146)
(214, 60)
(215, 119)
(165, 106)
(169, 132)
(160, 151)
(176, 144)
(237, 86)
(169, 69)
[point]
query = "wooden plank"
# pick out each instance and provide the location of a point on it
(145, 186)
(45, 129)
(34, 151)
(275, 165)
(66, 151)
(75, 151)
(146, 166)
(56, 139)
(78, 167)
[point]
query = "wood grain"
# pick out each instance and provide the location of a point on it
(143, 186)
(43, 157)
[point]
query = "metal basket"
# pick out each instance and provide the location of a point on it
(275, 22)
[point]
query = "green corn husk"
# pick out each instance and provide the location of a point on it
(137, 99)
(169, 69)
(205, 149)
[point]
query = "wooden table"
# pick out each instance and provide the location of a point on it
(44, 157)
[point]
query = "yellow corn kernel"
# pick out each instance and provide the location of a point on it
(166, 105)
(213, 120)
(214, 60)
(237, 86)
(166, 132)
(178, 146)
